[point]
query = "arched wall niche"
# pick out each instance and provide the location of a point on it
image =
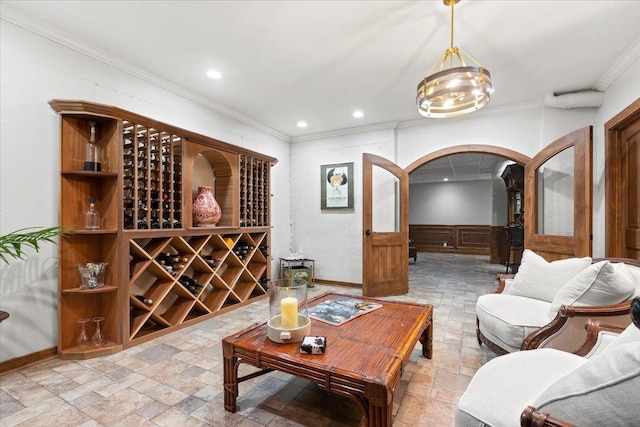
(213, 168)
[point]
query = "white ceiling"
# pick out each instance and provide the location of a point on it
(285, 61)
(459, 167)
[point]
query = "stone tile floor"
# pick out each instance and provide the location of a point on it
(176, 380)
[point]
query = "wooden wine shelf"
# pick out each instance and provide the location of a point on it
(105, 288)
(225, 280)
(149, 173)
(90, 174)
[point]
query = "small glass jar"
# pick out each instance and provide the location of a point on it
(92, 217)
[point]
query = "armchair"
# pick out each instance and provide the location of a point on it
(597, 386)
(546, 304)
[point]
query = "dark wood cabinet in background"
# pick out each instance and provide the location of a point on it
(513, 177)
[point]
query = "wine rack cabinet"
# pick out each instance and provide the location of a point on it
(152, 171)
(205, 274)
(163, 273)
(254, 185)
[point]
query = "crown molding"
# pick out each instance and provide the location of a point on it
(534, 105)
(622, 63)
(348, 131)
(488, 111)
(56, 35)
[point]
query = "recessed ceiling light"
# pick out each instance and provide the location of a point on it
(446, 179)
(214, 74)
(358, 114)
(302, 124)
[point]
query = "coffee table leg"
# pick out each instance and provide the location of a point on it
(380, 407)
(427, 340)
(230, 383)
(380, 416)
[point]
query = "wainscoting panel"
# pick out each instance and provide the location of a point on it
(461, 239)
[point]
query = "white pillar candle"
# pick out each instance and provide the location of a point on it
(289, 313)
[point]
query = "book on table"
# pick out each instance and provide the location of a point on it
(340, 310)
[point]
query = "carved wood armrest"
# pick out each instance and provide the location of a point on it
(599, 310)
(532, 418)
(501, 278)
(566, 312)
(593, 330)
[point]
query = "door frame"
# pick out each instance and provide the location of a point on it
(508, 154)
(615, 179)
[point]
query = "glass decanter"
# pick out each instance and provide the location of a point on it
(92, 217)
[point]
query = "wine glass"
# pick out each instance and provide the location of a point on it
(96, 339)
(82, 338)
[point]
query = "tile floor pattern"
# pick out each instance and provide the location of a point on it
(176, 380)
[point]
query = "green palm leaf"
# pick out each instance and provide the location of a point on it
(13, 245)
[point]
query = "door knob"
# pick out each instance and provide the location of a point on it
(367, 232)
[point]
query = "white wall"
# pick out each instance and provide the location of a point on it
(519, 130)
(35, 70)
(500, 202)
(333, 238)
(452, 203)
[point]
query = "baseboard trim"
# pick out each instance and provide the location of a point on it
(11, 365)
(334, 283)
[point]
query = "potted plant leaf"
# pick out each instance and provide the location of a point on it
(13, 245)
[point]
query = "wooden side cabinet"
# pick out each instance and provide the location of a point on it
(77, 188)
(163, 272)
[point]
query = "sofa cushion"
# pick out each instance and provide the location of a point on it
(632, 273)
(503, 387)
(603, 391)
(540, 279)
(599, 284)
(507, 320)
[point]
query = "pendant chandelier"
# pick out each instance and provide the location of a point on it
(457, 90)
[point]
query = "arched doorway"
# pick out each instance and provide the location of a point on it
(517, 157)
(438, 235)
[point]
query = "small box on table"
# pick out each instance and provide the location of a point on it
(313, 345)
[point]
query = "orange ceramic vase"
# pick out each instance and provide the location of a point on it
(206, 211)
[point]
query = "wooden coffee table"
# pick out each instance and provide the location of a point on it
(364, 360)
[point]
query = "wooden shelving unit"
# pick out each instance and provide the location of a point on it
(144, 191)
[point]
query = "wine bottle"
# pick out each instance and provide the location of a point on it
(144, 300)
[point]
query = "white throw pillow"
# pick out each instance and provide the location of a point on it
(632, 273)
(601, 392)
(599, 284)
(537, 278)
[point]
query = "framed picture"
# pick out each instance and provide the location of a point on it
(336, 183)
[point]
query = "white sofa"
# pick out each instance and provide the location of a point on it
(546, 304)
(549, 387)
